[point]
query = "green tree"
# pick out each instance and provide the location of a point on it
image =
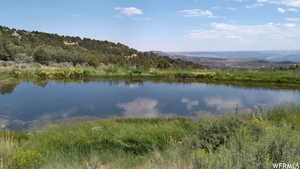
(41, 56)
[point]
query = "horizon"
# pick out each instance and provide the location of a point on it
(169, 26)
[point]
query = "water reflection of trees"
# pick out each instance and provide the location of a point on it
(41, 84)
(8, 88)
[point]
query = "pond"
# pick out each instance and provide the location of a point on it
(27, 105)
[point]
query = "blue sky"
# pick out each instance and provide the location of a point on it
(166, 25)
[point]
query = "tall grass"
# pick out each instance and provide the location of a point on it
(235, 142)
(129, 136)
(9, 145)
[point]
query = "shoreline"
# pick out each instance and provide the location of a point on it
(240, 78)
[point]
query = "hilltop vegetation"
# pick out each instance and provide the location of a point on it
(44, 48)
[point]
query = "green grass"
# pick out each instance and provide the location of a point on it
(232, 142)
(237, 77)
(84, 73)
(259, 76)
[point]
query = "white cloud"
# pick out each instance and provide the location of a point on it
(256, 5)
(294, 3)
(285, 98)
(231, 8)
(292, 10)
(130, 11)
(290, 25)
(281, 10)
(198, 12)
(223, 8)
(293, 19)
(222, 26)
(255, 33)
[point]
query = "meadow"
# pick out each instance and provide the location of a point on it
(251, 141)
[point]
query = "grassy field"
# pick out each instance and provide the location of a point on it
(233, 142)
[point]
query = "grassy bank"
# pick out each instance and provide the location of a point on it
(285, 77)
(236, 76)
(82, 73)
(245, 141)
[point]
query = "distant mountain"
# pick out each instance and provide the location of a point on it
(293, 56)
(239, 59)
(24, 46)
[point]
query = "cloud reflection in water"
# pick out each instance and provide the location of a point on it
(190, 103)
(223, 105)
(140, 108)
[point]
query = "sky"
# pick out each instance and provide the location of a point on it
(165, 25)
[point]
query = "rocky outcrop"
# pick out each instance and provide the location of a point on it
(66, 43)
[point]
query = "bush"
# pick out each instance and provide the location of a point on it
(200, 75)
(285, 115)
(41, 56)
(242, 151)
(208, 75)
(26, 159)
(211, 134)
(283, 145)
(135, 72)
(182, 75)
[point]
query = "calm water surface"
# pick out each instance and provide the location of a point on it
(26, 104)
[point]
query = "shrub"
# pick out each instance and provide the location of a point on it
(242, 151)
(26, 159)
(285, 115)
(208, 75)
(211, 134)
(135, 72)
(58, 74)
(181, 75)
(41, 56)
(283, 145)
(200, 75)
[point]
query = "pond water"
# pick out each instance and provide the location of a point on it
(24, 104)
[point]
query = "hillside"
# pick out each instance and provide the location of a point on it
(44, 48)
